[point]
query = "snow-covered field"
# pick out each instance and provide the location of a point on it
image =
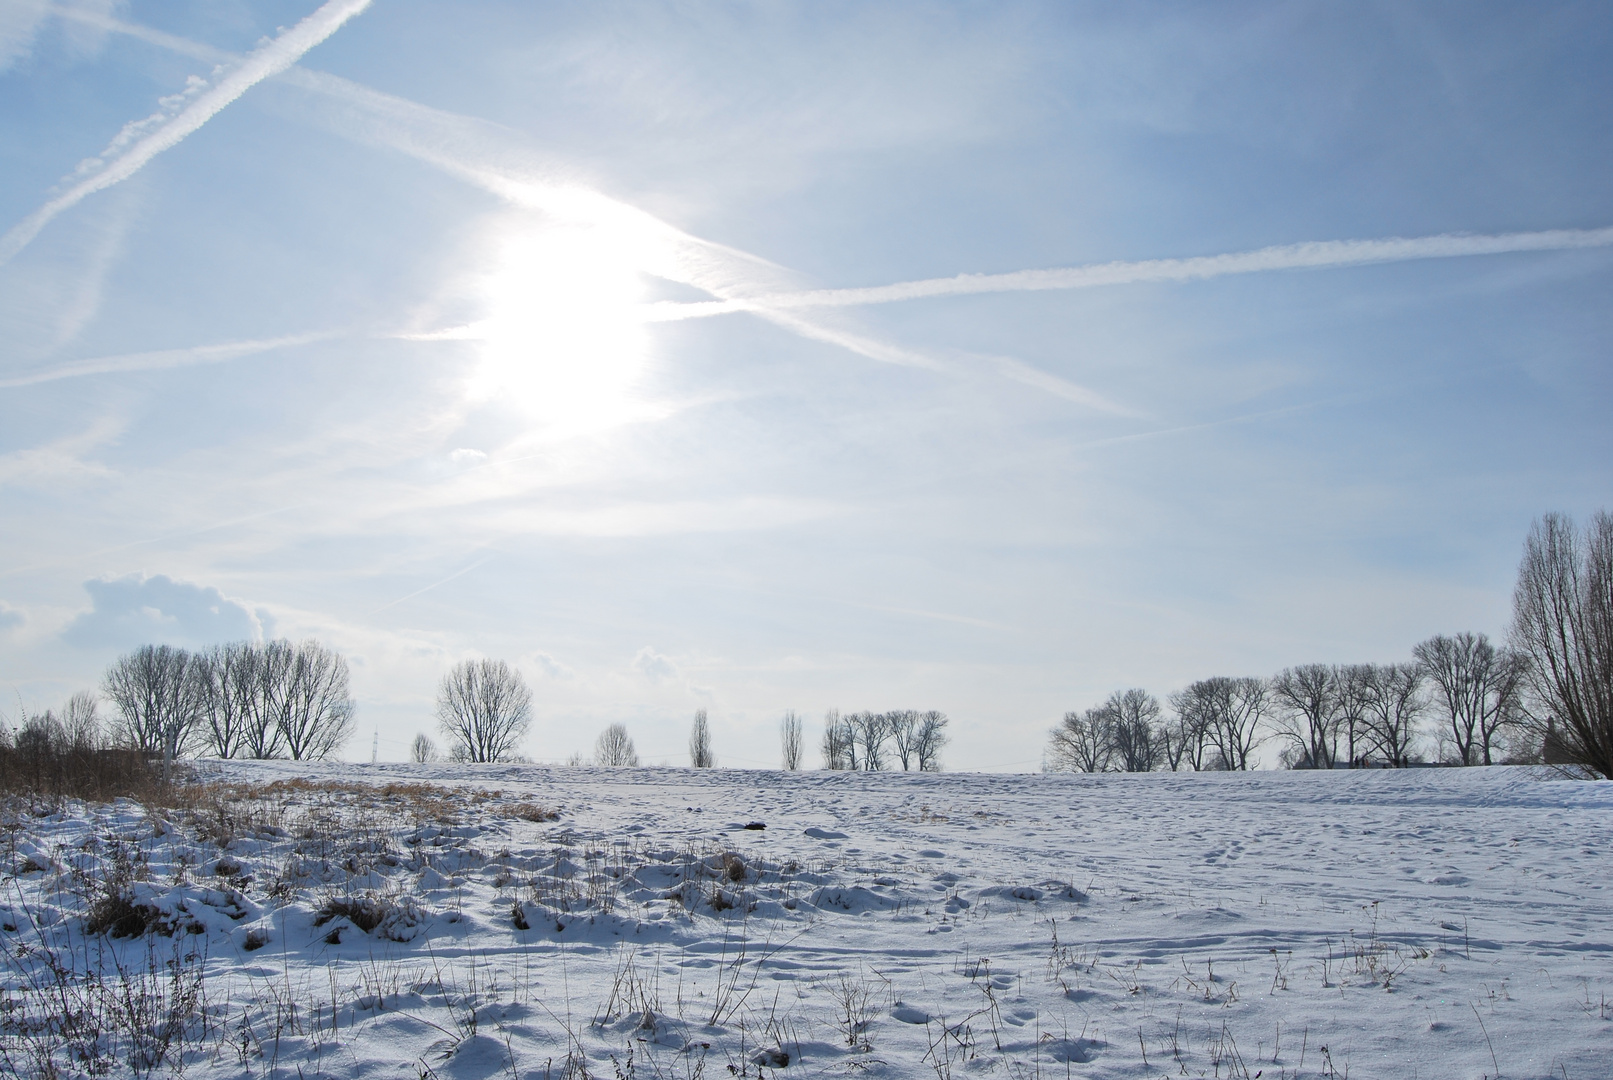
(1425, 923)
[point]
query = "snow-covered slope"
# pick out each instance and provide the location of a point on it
(366, 920)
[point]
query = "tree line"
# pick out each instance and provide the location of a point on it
(1325, 716)
(1547, 693)
(272, 699)
(877, 742)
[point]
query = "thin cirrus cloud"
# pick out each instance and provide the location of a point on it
(181, 115)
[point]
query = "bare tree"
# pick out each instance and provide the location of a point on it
(1351, 683)
(839, 746)
(869, 731)
(154, 691)
(1081, 743)
(930, 740)
(316, 710)
(273, 700)
(1478, 688)
(790, 738)
(220, 731)
(1172, 744)
(267, 681)
(1229, 714)
(1133, 721)
(41, 735)
(614, 748)
(1562, 624)
(228, 680)
(1392, 700)
(81, 721)
(1306, 700)
(484, 708)
(422, 749)
(1185, 741)
(700, 755)
(902, 725)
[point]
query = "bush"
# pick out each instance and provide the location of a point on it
(39, 763)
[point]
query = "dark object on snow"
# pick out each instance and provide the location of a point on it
(756, 826)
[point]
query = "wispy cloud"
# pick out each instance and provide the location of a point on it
(167, 358)
(101, 20)
(1308, 255)
(181, 114)
(75, 557)
(62, 461)
(628, 517)
(19, 22)
(655, 666)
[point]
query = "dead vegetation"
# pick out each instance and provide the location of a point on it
(52, 768)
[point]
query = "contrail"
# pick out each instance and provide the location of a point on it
(167, 358)
(1309, 255)
(140, 142)
(490, 157)
(1020, 371)
(434, 584)
(493, 158)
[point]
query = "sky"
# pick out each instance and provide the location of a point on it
(987, 358)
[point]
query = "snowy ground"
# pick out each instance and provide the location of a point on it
(1427, 923)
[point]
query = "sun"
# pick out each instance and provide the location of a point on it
(563, 337)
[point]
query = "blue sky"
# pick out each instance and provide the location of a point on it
(438, 331)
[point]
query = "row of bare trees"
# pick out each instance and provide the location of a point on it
(1325, 716)
(1547, 693)
(880, 742)
(271, 699)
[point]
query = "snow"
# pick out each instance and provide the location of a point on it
(1422, 923)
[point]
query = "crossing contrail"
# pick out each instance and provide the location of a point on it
(494, 159)
(1314, 254)
(139, 142)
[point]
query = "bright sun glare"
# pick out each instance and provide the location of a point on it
(563, 340)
